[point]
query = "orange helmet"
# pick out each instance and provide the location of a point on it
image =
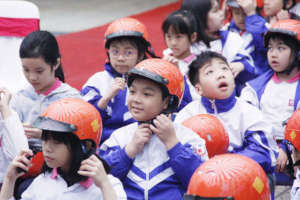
(211, 129)
(164, 73)
(292, 130)
(126, 26)
(229, 176)
(290, 27)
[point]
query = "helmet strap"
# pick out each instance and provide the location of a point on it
(290, 165)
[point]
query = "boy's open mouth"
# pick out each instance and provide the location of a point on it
(223, 85)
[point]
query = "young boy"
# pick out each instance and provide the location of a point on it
(126, 41)
(248, 134)
(153, 157)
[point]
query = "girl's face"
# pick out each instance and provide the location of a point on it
(216, 80)
(239, 16)
(279, 55)
(145, 100)
(56, 154)
(39, 73)
(179, 43)
(215, 18)
(123, 56)
(272, 7)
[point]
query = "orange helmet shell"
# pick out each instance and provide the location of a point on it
(289, 27)
(212, 130)
(292, 130)
(161, 72)
(125, 27)
(230, 175)
(77, 112)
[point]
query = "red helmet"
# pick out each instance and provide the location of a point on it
(229, 176)
(292, 130)
(164, 73)
(212, 130)
(68, 115)
(126, 26)
(290, 27)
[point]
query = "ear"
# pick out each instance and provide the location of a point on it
(289, 4)
(166, 102)
(57, 64)
(194, 37)
(199, 89)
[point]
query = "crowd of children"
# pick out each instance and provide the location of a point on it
(121, 136)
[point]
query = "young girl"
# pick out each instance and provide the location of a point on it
(126, 42)
(12, 137)
(70, 170)
(180, 33)
(276, 92)
(42, 68)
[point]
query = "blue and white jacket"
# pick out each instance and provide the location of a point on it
(116, 114)
(154, 173)
(29, 104)
(254, 92)
(248, 134)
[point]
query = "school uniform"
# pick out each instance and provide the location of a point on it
(29, 104)
(295, 192)
(12, 141)
(51, 185)
(154, 173)
(116, 113)
(248, 134)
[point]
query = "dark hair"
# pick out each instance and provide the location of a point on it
(200, 8)
(78, 154)
(200, 61)
(42, 44)
(291, 42)
(141, 45)
(182, 21)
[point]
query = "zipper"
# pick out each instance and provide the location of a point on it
(146, 193)
(214, 107)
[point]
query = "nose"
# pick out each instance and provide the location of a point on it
(32, 76)
(220, 74)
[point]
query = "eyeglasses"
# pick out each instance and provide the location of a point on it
(128, 53)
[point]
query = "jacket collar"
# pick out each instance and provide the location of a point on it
(219, 105)
(111, 70)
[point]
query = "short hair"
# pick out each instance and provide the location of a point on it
(200, 61)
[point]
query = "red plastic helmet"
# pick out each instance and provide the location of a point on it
(212, 130)
(292, 130)
(164, 73)
(289, 27)
(126, 26)
(229, 176)
(68, 115)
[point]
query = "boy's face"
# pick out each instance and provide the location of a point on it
(239, 16)
(179, 43)
(216, 80)
(145, 99)
(272, 7)
(123, 55)
(279, 55)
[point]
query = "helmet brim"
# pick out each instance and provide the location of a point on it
(48, 124)
(147, 74)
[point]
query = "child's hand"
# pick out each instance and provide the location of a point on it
(32, 132)
(163, 128)
(171, 59)
(249, 6)
(236, 68)
(141, 137)
(5, 97)
(282, 14)
(118, 84)
(281, 161)
(21, 161)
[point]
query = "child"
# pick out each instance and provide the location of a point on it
(276, 92)
(71, 133)
(126, 41)
(275, 10)
(229, 177)
(248, 134)
(42, 68)
(12, 137)
(180, 33)
(292, 135)
(153, 157)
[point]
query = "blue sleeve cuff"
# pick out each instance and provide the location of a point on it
(125, 157)
(173, 152)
